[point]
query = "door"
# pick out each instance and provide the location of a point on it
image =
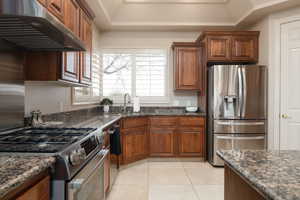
(191, 142)
(290, 82)
(226, 90)
(188, 68)
(162, 142)
(253, 92)
(134, 144)
(86, 56)
(70, 69)
(218, 48)
(244, 48)
(56, 7)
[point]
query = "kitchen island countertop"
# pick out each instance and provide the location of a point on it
(275, 174)
(16, 170)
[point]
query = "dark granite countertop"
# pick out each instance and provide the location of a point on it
(16, 170)
(276, 174)
(106, 119)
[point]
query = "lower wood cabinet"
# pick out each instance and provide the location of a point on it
(162, 142)
(191, 142)
(39, 191)
(135, 144)
(162, 137)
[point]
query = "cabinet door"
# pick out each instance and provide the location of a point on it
(56, 7)
(107, 173)
(70, 68)
(187, 70)
(43, 2)
(71, 16)
(191, 142)
(218, 48)
(162, 142)
(86, 56)
(134, 144)
(245, 48)
(40, 191)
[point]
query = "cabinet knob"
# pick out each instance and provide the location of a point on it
(284, 116)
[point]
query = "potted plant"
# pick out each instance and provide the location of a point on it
(106, 102)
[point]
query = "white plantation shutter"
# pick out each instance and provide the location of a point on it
(139, 72)
(150, 73)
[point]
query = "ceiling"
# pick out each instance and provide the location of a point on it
(182, 15)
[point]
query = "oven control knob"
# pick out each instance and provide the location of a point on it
(76, 157)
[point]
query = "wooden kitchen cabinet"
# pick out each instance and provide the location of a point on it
(162, 142)
(230, 46)
(86, 56)
(244, 48)
(71, 68)
(135, 144)
(162, 136)
(39, 191)
(191, 142)
(56, 7)
(107, 174)
(188, 67)
(218, 48)
(72, 16)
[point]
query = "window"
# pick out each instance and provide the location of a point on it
(139, 72)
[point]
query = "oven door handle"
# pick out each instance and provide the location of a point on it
(76, 184)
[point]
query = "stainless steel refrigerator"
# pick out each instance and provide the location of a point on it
(237, 109)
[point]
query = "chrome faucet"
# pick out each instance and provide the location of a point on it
(126, 101)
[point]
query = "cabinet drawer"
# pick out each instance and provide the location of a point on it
(163, 121)
(134, 122)
(40, 191)
(191, 121)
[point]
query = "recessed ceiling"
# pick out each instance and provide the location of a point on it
(182, 15)
(177, 1)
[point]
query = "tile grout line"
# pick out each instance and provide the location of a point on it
(190, 180)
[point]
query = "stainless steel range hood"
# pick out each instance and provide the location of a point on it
(27, 25)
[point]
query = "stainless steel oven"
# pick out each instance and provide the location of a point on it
(88, 184)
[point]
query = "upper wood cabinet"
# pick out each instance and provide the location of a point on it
(86, 56)
(56, 7)
(72, 16)
(244, 48)
(218, 48)
(188, 66)
(231, 46)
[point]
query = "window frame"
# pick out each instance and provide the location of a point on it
(143, 100)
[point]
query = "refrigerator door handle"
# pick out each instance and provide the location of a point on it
(241, 123)
(241, 138)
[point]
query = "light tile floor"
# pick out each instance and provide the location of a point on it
(169, 179)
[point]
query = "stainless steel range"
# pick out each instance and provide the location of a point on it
(78, 172)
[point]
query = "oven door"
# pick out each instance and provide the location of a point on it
(88, 184)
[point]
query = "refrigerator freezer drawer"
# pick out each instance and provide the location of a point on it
(236, 142)
(240, 126)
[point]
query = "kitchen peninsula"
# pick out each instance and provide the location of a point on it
(261, 175)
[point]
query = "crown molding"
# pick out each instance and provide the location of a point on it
(176, 1)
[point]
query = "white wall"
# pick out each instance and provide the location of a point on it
(154, 40)
(270, 55)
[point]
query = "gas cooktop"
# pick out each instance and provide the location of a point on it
(41, 140)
